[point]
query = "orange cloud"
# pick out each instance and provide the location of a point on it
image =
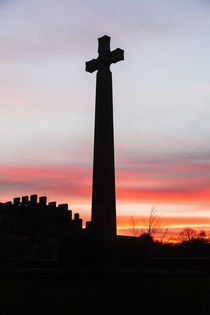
(132, 186)
(164, 196)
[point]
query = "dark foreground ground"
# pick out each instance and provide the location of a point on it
(147, 294)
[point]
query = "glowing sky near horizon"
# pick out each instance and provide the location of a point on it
(161, 102)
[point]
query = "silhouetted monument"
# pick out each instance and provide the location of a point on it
(103, 216)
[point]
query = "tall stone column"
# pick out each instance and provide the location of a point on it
(103, 215)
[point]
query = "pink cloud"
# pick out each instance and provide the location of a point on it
(168, 184)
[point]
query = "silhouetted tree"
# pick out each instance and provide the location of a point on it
(154, 225)
(187, 234)
(133, 226)
(202, 234)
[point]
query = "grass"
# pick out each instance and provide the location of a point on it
(183, 295)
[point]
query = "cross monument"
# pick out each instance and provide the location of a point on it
(103, 215)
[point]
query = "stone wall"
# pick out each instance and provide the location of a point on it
(31, 228)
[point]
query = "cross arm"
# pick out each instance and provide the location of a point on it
(92, 65)
(116, 55)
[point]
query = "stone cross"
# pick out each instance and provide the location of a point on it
(106, 57)
(103, 215)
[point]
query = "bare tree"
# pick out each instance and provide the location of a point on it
(154, 225)
(133, 226)
(202, 234)
(164, 233)
(187, 234)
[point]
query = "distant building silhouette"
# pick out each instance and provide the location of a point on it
(31, 228)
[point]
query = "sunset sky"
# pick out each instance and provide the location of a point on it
(161, 104)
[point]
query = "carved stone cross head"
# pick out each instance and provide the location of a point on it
(105, 56)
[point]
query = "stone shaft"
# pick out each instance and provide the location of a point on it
(103, 190)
